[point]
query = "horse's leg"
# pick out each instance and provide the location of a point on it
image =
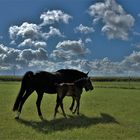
(38, 103)
(75, 107)
(27, 94)
(57, 105)
(72, 105)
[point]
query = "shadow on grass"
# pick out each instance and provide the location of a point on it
(61, 124)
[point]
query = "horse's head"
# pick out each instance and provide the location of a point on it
(88, 84)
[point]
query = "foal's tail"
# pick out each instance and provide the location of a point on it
(25, 83)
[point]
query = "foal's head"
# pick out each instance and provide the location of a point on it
(85, 83)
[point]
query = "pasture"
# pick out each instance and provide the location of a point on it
(110, 112)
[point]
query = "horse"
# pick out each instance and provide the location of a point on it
(71, 89)
(43, 82)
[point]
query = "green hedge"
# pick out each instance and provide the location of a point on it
(10, 78)
(98, 79)
(117, 79)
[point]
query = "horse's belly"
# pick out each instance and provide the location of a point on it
(46, 89)
(71, 91)
(69, 94)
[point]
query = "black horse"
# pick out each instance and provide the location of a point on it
(43, 82)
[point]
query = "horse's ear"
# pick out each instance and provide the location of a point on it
(87, 73)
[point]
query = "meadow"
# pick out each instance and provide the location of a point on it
(110, 112)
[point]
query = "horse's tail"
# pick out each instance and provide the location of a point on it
(24, 84)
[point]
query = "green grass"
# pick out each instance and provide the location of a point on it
(110, 112)
(121, 85)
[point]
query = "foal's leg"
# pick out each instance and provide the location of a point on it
(38, 103)
(72, 105)
(27, 94)
(57, 105)
(61, 104)
(77, 105)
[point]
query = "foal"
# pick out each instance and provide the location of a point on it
(71, 89)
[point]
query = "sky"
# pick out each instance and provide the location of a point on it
(101, 37)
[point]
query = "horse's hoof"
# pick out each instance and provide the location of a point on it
(41, 117)
(17, 117)
(70, 109)
(65, 116)
(73, 112)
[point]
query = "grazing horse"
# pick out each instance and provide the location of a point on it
(43, 82)
(71, 89)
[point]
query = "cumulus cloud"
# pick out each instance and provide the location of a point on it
(76, 47)
(117, 23)
(26, 30)
(29, 54)
(52, 32)
(8, 55)
(84, 29)
(68, 49)
(54, 16)
(88, 40)
(31, 43)
(61, 55)
(31, 35)
(3, 49)
(132, 62)
(11, 56)
(39, 59)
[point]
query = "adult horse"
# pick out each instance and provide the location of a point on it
(43, 82)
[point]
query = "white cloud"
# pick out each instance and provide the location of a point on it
(26, 42)
(38, 60)
(40, 44)
(26, 30)
(117, 23)
(76, 47)
(31, 35)
(68, 50)
(11, 56)
(84, 29)
(132, 62)
(88, 40)
(54, 16)
(52, 32)
(30, 43)
(61, 55)
(8, 55)
(29, 54)
(3, 49)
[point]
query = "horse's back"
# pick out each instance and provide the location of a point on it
(70, 75)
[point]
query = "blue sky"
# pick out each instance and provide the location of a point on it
(100, 36)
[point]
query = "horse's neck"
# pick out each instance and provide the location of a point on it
(80, 84)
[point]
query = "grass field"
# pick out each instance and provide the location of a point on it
(110, 112)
